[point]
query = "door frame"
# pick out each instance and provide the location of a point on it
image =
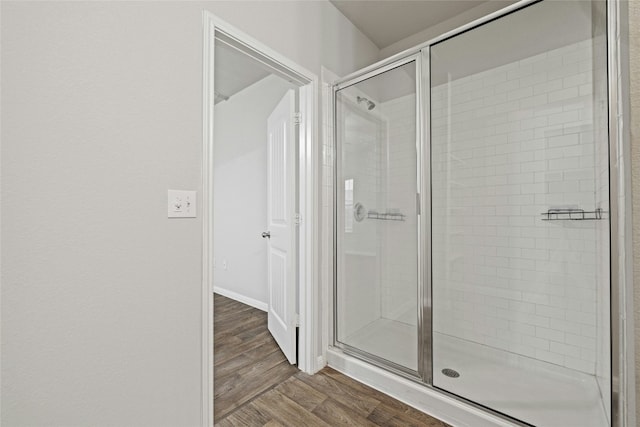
(308, 196)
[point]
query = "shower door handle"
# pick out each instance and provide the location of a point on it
(266, 235)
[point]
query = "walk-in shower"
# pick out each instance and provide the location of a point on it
(472, 215)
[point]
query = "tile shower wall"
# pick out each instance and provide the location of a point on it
(379, 262)
(603, 268)
(507, 145)
(398, 242)
(359, 303)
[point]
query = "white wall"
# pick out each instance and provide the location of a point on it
(240, 189)
(479, 11)
(101, 114)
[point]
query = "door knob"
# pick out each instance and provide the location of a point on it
(266, 235)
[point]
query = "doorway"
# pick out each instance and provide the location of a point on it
(255, 188)
(259, 192)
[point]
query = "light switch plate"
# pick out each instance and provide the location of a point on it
(181, 204)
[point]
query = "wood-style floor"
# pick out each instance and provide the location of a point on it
(256, 386)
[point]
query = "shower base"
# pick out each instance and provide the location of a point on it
(530, 390)
(391, 340)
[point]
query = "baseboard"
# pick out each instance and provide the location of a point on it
(241, 298)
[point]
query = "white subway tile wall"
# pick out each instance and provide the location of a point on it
(359, 264)
(603, 264)
(377, 263)
(508, 144)
(399, 239)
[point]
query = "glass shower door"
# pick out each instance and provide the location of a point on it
(376, 286)
(520, 201)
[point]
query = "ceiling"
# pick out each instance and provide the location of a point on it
(386, 22)
(234, 71)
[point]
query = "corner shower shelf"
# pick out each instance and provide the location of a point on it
(386, 216)
(572, 215)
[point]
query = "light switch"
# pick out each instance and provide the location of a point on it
(181, 204)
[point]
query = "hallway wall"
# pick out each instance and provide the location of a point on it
(101, 113)
(240, 190)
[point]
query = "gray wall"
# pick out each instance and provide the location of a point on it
(101, 114)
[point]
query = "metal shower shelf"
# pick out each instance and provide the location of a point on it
(572, 215)
(386, 216)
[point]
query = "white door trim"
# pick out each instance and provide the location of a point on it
(309, 192)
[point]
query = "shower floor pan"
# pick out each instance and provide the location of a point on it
(530, 390)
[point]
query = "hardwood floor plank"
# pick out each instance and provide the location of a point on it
(389, 403)
(224, 353)
(247, 362)
(256, 386)
(230, 309)
(255, 372)
(427, 420)
(245, 391)
(246, 335)
(391, 406)
(230, 366)
(362, 404)
(247, 415)
(335, 413)
(301, 393)
(286, 411)
(224, 367)
(262, 351)
(235, 326)
(388, 415)
(356, 386)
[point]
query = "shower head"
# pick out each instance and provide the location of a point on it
(370, 104)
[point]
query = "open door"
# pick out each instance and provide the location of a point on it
(281, 234)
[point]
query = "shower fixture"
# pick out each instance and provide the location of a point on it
(370, 104)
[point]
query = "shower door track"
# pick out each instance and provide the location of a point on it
(379, 361)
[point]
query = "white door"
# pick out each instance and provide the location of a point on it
(281, 197)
